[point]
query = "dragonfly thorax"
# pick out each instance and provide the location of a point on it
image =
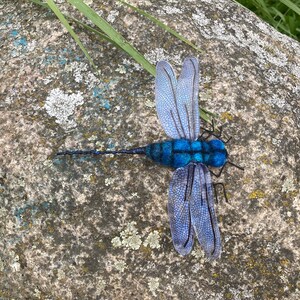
(179, 153)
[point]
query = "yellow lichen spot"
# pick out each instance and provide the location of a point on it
(265, 160)
(290, 221)
(226, 116)
(101, 245)
(228, 295)
(267, 203)
(215, 275)
(93, 179)
(247, 180)
(145, 250)
(292, 194)
(257, 194)
(85, 269)
(284, 262)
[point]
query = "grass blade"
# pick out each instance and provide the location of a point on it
(62, 19)
(291, 6)
(113, 34)
(40, 3)
(204, 114)
(162, 25)
(89, 28)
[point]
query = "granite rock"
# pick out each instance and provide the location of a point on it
(97, 227)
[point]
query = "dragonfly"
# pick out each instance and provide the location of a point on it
(191, 205)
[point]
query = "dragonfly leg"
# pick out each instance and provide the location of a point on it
(216, 191)
(234, 165)
(220, 172)
(212, 132)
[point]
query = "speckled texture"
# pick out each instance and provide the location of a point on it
(97, 228)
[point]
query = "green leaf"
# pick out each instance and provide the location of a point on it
(61, 17)
(113, 34)
(162, 25)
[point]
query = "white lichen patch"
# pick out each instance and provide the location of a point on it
(172, 10)
(296, 204)
(16, 266)
(61, 106)
(120, 265)
(153, 285)
(198, 253)
(129, 238)
(200, 18)
(81, 73)
(288, 185)
(109, 181)
(159, 54)
(100, 285)
(149, 103)
(116, 242)
(112, 16)
(152, 240)
(277, 101)
(121, 69)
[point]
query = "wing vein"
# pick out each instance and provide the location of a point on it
(175, 100)
(210, 217)
(194, 102)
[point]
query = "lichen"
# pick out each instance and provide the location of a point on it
(129, 238)
(152, 240)
(116, 242)
(62, 106)
(100, 285)
(120, 265)
(288, 185)
(153, 284)
(257, 194)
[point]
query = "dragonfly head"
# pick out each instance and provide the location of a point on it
(218, 156)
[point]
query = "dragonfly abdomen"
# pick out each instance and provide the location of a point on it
(180, 152)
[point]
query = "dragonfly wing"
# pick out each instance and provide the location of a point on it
(165, 98)
(187, 94)
(179, 210)
(177, 103)
(203, 216)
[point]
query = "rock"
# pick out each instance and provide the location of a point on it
(97, 227)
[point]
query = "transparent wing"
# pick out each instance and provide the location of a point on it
(179, 210)
(187, 94)
(203, 216)
(177, 103)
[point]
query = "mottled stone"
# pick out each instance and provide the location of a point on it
(97, 227)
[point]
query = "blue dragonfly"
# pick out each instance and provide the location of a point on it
(191, 196)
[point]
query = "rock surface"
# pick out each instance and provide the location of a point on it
(97, 228)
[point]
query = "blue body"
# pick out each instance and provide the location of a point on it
(180, 152)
